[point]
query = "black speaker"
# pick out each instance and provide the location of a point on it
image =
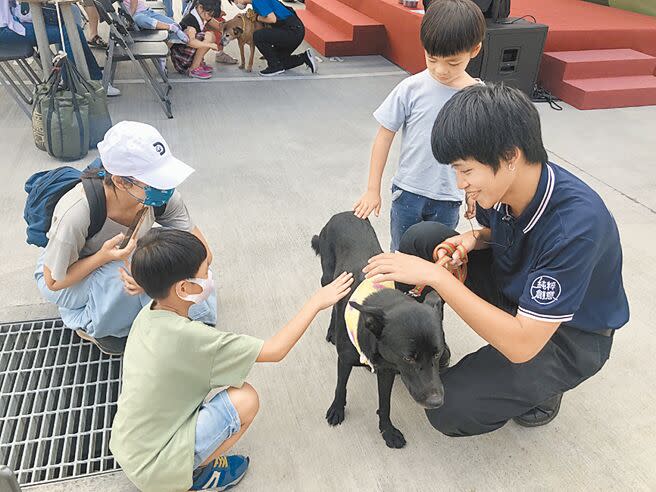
(494, 9)
(512, 50)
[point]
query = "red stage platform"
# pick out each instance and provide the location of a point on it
(595, 56)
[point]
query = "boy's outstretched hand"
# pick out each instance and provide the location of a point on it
(369, 202)
(333, 292)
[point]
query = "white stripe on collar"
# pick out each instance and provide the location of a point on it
(545, 200)
(497, 206)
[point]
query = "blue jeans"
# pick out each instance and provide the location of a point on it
(217, 421)
(147, 19)
(409, 209)
(168, 6)
(7, 36)
(100, 306)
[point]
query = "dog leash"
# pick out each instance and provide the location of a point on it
(459, 272)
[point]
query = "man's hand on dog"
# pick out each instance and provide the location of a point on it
(400, 267)
(369, 202)
(333, 292)
(251, 15)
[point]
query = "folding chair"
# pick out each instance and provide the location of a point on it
(122, 48)
(20, 90)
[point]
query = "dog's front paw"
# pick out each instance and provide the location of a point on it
(335, 414)
(241, 67)
(393, 437)
(249, 69)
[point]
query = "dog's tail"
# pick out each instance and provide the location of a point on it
(316, 241)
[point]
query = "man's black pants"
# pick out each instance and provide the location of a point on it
(485, 390)
(279, 42)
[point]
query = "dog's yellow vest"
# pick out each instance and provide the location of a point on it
(352, 315)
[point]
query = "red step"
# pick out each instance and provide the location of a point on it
(323, 37)
(597, 79)
(608, 92)
(335, 29)
(589, 64)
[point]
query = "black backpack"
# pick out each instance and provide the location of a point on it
(44, 190)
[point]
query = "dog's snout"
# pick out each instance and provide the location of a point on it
(434, 401)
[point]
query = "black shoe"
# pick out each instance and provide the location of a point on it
(311, 61)
(542, 414)
(271, 71)
(107, 345)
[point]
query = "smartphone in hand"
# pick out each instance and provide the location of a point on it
(134, 227)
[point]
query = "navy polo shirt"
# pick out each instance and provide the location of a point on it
(561, 260)
(265, 7)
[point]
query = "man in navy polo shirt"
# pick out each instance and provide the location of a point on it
(544, 287)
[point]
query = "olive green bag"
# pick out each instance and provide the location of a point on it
(70, 113)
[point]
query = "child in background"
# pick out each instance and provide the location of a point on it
(216, 25)
(189, 58)
(422, 190)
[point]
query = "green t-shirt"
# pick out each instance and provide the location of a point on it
(170, 365)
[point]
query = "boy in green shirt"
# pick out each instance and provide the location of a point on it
(163, 436)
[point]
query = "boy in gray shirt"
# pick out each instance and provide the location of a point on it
(422, 190)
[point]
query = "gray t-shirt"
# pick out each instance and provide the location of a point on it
(413, 105)
(67, 242)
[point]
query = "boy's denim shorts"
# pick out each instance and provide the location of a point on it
(217, 421)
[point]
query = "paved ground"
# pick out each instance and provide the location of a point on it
(275, 159)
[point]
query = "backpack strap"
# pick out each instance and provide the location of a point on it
(95, 192)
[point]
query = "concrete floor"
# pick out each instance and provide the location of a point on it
(275, 159)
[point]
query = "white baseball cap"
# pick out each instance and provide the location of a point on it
(136, 149)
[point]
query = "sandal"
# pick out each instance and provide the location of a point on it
(97, 42)
(224, 57)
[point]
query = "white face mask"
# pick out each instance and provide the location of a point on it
(207, 284)
(240, 6)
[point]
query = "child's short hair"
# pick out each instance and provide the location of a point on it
(486, 123)
(451, 27)
(164, 257)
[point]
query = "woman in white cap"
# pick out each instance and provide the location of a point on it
(88, 277)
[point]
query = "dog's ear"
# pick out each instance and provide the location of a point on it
(237, 31)
(373, 317)
(434, 300)
(316, 241)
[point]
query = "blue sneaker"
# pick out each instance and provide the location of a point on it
(222, 474)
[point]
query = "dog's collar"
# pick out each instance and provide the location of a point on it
(352, 315)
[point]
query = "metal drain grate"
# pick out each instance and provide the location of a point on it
(57, 402)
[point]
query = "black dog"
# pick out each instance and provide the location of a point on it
(395, 332)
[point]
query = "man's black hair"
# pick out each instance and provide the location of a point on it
(487, 123)
(452, 27)
(164, 257)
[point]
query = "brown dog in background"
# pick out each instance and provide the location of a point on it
(242, 28)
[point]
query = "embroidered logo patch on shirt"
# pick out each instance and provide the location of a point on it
(545, 290)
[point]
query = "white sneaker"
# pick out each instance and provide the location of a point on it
(112, 91)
